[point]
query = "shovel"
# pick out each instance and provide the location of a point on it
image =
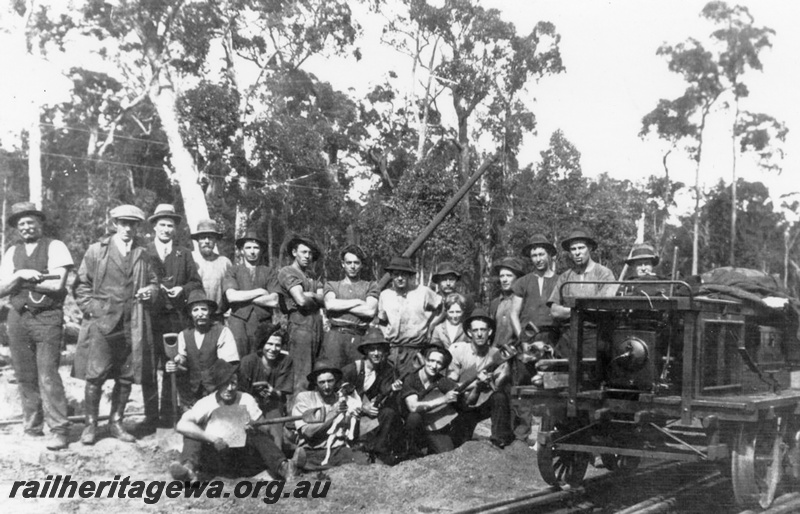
(315, 415)
(171, 351)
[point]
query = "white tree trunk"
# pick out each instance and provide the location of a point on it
(194, 201)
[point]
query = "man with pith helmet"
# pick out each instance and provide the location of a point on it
(115, 287)
(351, 303)
(35, 321)
(251, 289)
(211, 266)
(405, 311)
(301, 296)
(177, 274)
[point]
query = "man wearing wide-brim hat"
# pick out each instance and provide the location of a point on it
(251, 289)
(405, 311)
(643, 260)
(446, 276)
(488, 397)
(323, 383)
(178, 277)
(374, 379)
(199, 347)
(351, 303)
(508, 270)
(580, 244)
(35, 321)
(226, 402)
(115, 288)
(211, 266)
(301, 293)
(532, 319)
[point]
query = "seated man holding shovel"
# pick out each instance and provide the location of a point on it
(198, 348)
(223, 425)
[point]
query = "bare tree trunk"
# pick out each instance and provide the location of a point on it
(194, 201)
(732, 251)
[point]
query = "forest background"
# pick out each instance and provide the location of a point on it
(234, 110)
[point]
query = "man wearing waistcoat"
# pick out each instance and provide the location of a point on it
(199, 348)
(115, 287)
(35, 321)
(178, 277)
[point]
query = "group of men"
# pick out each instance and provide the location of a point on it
(210, 325)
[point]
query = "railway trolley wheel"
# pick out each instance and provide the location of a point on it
(622, 463)
(757, 462)
(559, 467)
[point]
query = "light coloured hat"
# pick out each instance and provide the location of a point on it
(21, 209)
(127, 212)
(165, 210)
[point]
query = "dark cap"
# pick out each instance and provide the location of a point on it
(18, 210)
(220, 373)
(373, 337)
(400, 263)
(298, 239)
(479, 313)
(511, 263)
(321, 367)
(538, 240)
(576, 234)
(251, 235)
(443, 269)
(199, 296)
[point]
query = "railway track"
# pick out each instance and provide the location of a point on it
(602, 494)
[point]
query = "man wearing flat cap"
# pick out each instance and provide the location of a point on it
(211, 266)
(35, 321)
(177, 275)
(580, 244)
(405, 312)
(351, 303)
(115, 287)
(251, 289)
(323, 383)
(201, 443)
(375, 382)
(508, 270)
(301, 294)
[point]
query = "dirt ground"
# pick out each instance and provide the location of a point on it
(473, 474)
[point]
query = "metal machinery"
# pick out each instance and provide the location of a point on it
(687, 378)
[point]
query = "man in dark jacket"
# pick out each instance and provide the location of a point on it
(178, 277)
(114, 289)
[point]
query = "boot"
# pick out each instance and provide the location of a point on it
(91, 406)
(119, 398)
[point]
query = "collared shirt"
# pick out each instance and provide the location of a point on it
(163, 249)
(226, 344)
(408, 314)
(467, 363)
(123, 247)
(594, 272)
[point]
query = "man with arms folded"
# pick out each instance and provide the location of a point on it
(251, 288)
(351, 303)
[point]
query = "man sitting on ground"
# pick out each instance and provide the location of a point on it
(198, 442)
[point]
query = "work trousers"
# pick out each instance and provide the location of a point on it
(497, 407)
(257, 442)
(35, 344)
(244, 332)
(304, 343)
(340, 346)
(439, 441)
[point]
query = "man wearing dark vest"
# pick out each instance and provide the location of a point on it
(302, 299)
(35, 321)
(374, 379)
(199, 348)
(251, 288)
(114, 289)
(178, 277)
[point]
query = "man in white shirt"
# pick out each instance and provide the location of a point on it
(198, 442)
(211, 266)
(35, 321)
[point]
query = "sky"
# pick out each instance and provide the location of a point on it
(613, 77)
